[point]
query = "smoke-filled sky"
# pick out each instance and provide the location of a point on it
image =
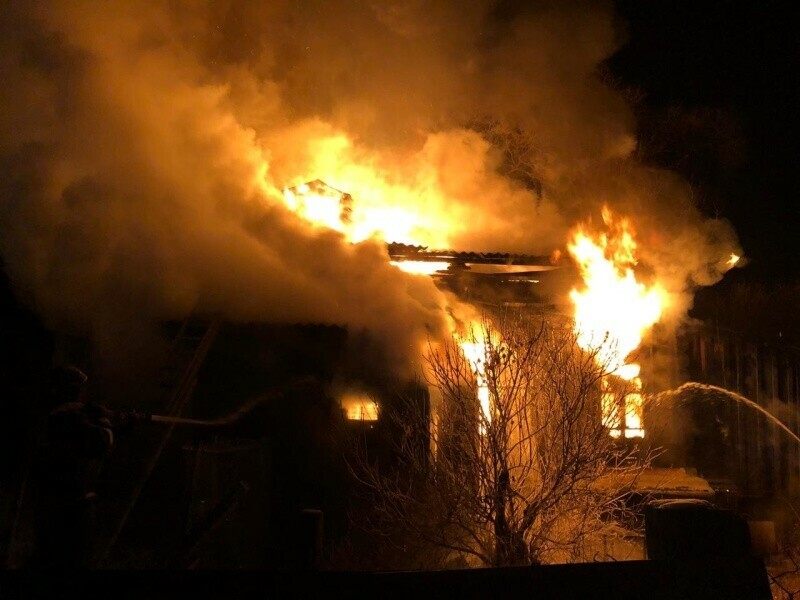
(144, 147)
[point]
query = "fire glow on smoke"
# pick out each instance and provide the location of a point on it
(612, 313)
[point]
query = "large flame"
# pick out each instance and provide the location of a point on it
(325, 206)
(476, 351)
(421, 267)
(408, 208)
(612, 313)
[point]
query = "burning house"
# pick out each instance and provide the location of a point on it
(349, 396)
(232, 495)
(265, 327)
(612, 313)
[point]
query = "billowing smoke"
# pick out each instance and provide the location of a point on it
(144, 146)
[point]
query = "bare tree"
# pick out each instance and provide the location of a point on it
(528, 475)
(521, 158)
(784, 573)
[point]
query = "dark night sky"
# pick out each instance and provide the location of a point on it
(741, 58)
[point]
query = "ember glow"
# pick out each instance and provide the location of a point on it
(733, 260)
(613, 311)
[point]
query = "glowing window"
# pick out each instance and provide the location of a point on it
(359, 407)
(627, 410)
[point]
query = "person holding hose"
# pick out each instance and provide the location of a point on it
(77, 435)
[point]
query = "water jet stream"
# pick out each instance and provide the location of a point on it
(694, 390)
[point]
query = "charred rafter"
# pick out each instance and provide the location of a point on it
(422, 253)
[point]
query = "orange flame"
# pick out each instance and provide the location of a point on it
(325, 206)
(614, 311)
(321, 206)
(476, 350)
(421, 267)
(359, 407)
(404, 204)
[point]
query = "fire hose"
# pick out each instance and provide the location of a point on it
(185, 421)
(230, 418)
(218, 422)
(136, 416)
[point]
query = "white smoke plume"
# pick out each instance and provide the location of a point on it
(144, 146)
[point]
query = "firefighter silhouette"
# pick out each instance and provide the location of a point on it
(77, 436)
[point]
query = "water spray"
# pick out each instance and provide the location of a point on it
(701, 389)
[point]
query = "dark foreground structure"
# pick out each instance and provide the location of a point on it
(705, 579)
(696, 552)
